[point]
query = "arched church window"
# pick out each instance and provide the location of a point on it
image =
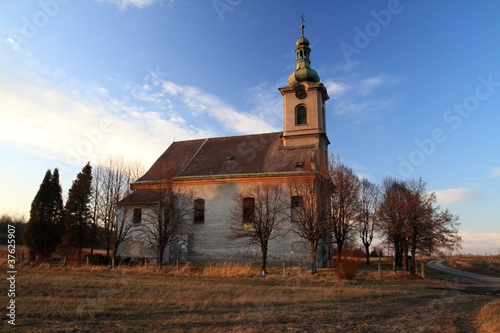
(300, 115)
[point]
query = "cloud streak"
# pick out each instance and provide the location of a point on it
(480, 242)
(226, 115)
(455, 195)
(59, 118)
(124, 4)
(356, 96)
(494, 173)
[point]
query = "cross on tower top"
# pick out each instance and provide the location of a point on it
(302, 26)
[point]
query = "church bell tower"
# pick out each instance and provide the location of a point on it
(304, 104)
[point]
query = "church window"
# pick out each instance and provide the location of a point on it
(136, 219)
(199, 211)
(297, 204)
(248, 213)
(300, 115)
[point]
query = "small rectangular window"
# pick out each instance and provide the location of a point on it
(248, 213)
(199, 211)
(136, 219)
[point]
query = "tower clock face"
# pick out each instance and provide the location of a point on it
(301, 93)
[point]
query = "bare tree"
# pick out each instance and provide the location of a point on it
(392, 216)
(258, 212)
(119, 229)
(366, 216)
(428, 223)
(311, 212)
(168, 209)
(95, 205)
(111, 183)
(411, 220)
(344, 202)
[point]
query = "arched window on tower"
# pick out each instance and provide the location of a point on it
(300, 115)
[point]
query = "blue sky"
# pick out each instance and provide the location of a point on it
(414, 88)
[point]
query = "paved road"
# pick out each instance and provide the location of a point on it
(476, 279)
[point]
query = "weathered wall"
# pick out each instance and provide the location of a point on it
(211, 240)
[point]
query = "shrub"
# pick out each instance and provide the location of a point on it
(99, 259)
(349, 268)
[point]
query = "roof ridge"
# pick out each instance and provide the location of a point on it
(244, 135)
(192, 158)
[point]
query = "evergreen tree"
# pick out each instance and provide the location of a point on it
(77, 212)
(43, 231)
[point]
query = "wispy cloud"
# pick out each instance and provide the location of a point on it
(494, 173)
(357, 97)
(14, 45)
(49, 114)
(266, 102)
(480, 242)
(125, 4)
(74, 127)
(455, 195)
(230, 118)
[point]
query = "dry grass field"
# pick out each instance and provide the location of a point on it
(477, 264)
(226, 298)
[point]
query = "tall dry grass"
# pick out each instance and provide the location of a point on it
(488, 318)
(488, 266)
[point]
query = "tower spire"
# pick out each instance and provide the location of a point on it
(303, 71)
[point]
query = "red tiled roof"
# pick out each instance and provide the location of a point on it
(234, 155)
(143, 196)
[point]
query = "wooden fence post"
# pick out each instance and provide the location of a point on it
(379, 267)
(422, 269)
(284, 269)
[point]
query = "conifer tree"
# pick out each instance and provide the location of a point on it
(43, 231)
(77, 212)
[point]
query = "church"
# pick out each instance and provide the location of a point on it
(215, 170)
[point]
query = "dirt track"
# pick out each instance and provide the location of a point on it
(474, 282)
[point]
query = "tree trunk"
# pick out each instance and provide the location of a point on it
(313, 245)
(159, 254)
(398, 255)
(340, 245)
(79, 254)
(264, 257)
(405, 257)
(413, 263)
(367, 250)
